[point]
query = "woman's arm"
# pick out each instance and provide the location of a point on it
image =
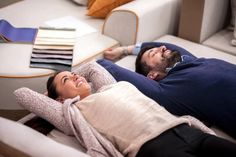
(96, 74)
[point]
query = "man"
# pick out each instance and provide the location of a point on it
(181, 82)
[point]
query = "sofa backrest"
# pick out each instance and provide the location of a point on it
(142, 20)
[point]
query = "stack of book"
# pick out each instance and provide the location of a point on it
(53, 48)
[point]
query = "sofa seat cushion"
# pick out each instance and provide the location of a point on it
(222, 41)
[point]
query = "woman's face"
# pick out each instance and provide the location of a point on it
(70, 85)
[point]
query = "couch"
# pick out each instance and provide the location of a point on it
(141, 22)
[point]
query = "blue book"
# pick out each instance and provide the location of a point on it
(8, 33)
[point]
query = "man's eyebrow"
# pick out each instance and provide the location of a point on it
(149, 51)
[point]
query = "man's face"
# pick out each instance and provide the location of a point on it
(70, 85)
(157, 58)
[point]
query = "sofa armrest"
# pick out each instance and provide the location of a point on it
(19, 140)
(202, 18)
(140, 21)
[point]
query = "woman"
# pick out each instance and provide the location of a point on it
(135, 124)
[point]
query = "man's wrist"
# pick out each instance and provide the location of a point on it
(128, 50)
(125, 51)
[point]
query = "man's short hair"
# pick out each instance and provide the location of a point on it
(142, 67)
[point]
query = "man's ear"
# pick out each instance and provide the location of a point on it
(156, 75)
(60, 99)
(152, 74)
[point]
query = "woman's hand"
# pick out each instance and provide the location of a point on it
(114, 54)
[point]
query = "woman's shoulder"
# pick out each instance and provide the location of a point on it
(120, 84)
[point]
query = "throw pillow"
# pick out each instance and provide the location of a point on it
(90, 3)
(43, 106)
(81, 2)
(101, 8)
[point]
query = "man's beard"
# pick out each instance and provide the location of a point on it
(173, 59)
(169, 61)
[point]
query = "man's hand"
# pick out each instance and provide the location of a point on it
(114, 54)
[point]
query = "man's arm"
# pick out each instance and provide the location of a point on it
(96, 74)
(116, 53)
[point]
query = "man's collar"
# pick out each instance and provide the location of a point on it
(183, 58)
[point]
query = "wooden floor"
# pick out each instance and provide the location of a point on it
(4, 3)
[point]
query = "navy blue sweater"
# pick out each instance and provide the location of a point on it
(203, 88)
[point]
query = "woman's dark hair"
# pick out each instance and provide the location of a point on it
(142, 68)
(51, 88)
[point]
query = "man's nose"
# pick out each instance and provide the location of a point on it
(163, 48)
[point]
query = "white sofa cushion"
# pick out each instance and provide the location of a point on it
(18, 140)
(221, 41)
(142, 20)
(62, 138)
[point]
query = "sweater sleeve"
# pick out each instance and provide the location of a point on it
(96, 74)
(199, 125)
